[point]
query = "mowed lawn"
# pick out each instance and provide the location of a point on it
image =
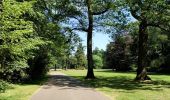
(19, 92)
(120, 86)
(22, 91)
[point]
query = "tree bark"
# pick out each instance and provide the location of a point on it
(55, 67)
(90, 73)
(142, 53)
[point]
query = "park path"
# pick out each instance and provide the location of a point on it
(62, 87)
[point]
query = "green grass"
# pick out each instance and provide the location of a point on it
(22, 91)
(120, 86)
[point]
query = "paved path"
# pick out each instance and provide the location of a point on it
(62, 87)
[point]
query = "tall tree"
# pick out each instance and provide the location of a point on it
(80, 57)
(149, 13)
(90, 73)
(72, 41)
(93, 10)
(118, 55)
(84, 16)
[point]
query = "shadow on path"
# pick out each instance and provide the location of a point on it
(64, 82)
(62, 87)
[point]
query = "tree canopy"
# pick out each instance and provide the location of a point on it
(36, 35)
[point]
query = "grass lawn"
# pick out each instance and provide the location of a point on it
(120, 86)
(21, 91)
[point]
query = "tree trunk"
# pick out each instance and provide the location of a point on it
(90, 73)
(55, 67)
(66, 64)
(1, 1)
(142, 53)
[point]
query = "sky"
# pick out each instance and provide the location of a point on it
(100, 40)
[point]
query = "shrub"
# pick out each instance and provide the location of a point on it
(38, 66)
(3, 86)
(155, 65)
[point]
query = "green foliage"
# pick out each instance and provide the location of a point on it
(98, 62)
(80, 57)
(118, 54)
(155, 14)
(48, 54)
(73, 63)
(38, 65)
(98, 58)
(3, 86)
(17, 37)
(38, 34)
(29, 41)
(98, 52)
(155, 64)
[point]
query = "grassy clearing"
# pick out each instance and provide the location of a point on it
(22, 91)
(120, 86)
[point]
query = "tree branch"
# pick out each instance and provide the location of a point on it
(133, 13)
(80, 29)
(103, 11)
(157, 25)
(79, 20)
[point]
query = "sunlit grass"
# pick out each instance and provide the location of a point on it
(120, 86)
(22, 91)
(19, 92)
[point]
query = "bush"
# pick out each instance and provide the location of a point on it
(133, 67)
(80, 68)
(155, 64)
(38, 66)
(3, 86)
(165, 67)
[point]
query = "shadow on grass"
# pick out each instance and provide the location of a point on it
(129, 72)
(39, 81)
(112, 71)
(124, 83)
(27, 82)
(121, 83)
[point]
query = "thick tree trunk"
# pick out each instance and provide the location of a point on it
(142, 53)
(90, 73)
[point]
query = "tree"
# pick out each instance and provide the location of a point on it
(118, 54)
(148, 14)
(98, 62)
(92, 10)
(49, 32)
(83, 16)
(72, 41)
(18, 38)
(80, 57)
(29, 39)
(157, 50)
(98, 52)
(98, 58)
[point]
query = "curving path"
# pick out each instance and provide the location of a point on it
(62, 87)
